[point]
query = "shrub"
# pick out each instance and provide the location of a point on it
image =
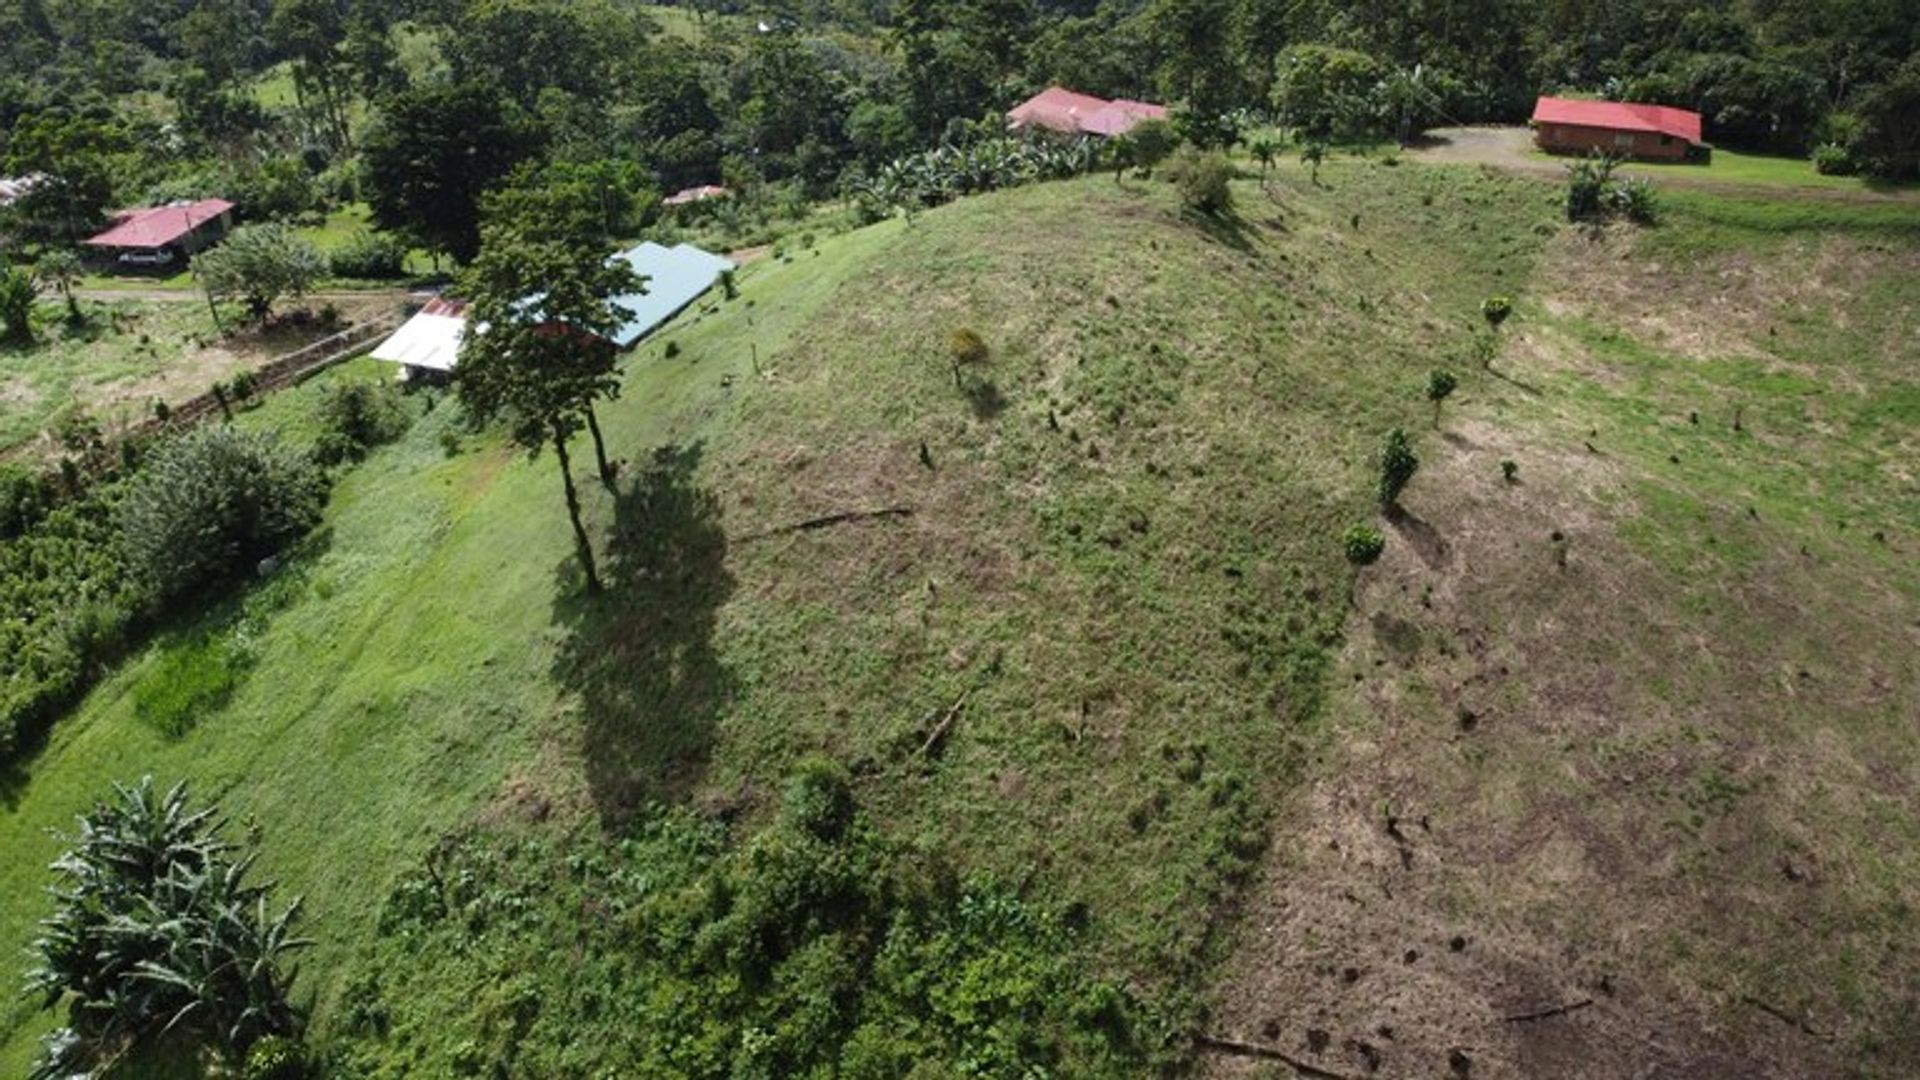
(24, 500)
(1509, 470)
(1833, 159)
(16, 306)
(1496, 309)
(243, 385)
(1440, 385)
(1205, 181)
(1398, 463)
(276, 1057)
(155, 928)
(369, 255)
(212, 501)
(968, 347)
(1634, 200)
(1363, 544)
(357, 416)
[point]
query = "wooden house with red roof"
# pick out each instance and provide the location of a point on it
(1624, 129)
(157, 235)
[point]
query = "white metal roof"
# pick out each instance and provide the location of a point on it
(431, 339)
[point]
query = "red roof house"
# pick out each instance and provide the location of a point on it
(1565, 126)
(1071, 113)
(702, 193)
(187, 226)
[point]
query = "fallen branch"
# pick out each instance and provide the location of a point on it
(1543, 1014)
(1265, 1053)
(946, 723)
(829, 520)
(1786, 1017)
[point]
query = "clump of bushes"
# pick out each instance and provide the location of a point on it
(1363, 544)
(812, 946)
(1204, 179)
(213, 501)
(357, 416)
(1496, 309)
(369, 255)
(156, 929)
(1593, 195)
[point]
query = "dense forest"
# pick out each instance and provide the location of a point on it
(121, 103)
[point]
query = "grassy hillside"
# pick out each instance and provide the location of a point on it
(1090, 638)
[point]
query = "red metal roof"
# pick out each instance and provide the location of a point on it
(159, 226)
(1619, 116)
(695, 194)
(1072, 113)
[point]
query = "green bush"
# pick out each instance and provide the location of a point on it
(1205, 181)
(1363, 544)
(813, 946)
(369, 255)
(156, 929)
(357, 416)
(1398, 463)
(1634, 200)
(214, 501)
(16, 305)
(1833, 159)
(1496, 309)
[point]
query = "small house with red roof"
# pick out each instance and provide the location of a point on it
(1069, 112)
(1624, 129)
(158, 234)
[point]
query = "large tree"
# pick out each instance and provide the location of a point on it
(260, 265)
(543, 288)
(435, 151)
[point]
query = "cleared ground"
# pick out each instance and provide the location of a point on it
(1632, 737)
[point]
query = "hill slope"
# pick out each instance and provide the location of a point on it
(1090, 650)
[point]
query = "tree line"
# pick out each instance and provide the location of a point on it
(290, 106)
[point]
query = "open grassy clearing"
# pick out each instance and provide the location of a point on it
(1635, 733)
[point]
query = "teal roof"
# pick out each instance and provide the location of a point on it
(674, 276)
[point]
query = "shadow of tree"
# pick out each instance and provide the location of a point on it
(640, 655)
(1425, 540)
(984, 397)
(1227, 228)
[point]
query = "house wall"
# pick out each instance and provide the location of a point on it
(1579, 139)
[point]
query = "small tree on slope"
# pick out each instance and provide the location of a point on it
(543, 291)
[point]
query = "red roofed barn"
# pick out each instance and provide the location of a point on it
(182, 228)
(1071, 113)
(1562, 126)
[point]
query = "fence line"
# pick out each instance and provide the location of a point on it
(276, 374)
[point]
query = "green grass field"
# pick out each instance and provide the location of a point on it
(1105, 646)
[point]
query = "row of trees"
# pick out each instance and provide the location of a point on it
(422, 105)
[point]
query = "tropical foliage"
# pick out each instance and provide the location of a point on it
(156, 929)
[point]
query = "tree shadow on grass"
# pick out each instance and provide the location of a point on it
(1425, 540)
(1227, 228)
(640, 655)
